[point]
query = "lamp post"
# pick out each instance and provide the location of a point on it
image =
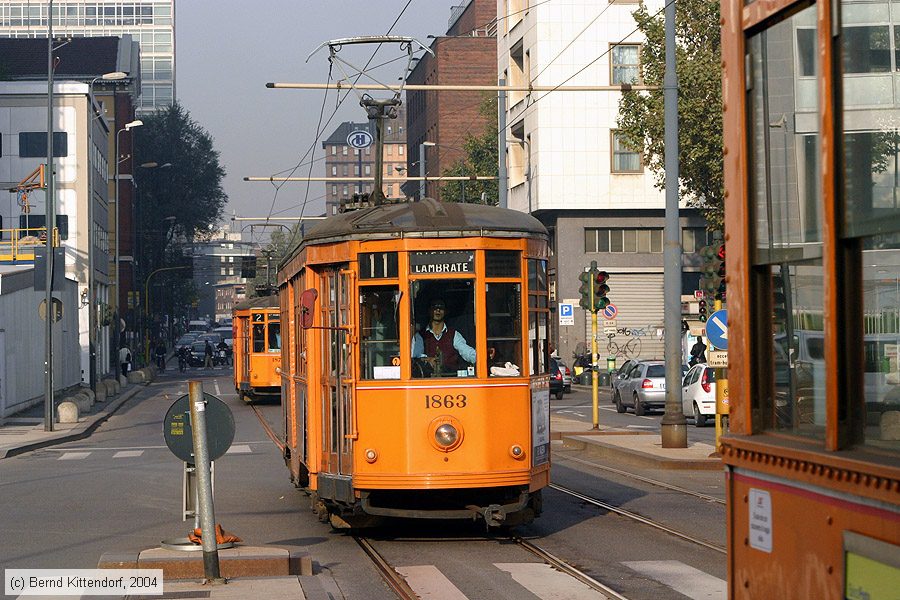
(49, 220)
(422, 170)
(92, 299)
(118, 334)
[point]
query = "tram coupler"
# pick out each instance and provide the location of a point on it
(494, 515)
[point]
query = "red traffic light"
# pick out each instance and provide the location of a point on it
(720, 253)
(602, 277)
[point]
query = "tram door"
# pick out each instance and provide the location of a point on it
(337, 386)
(245, 348)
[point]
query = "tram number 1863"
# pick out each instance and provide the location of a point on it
(445, 401)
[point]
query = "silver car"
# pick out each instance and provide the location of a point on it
(643, 388)
(566, 375)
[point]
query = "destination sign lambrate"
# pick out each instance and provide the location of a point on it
(442, 262)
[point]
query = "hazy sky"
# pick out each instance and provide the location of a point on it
(227, 50)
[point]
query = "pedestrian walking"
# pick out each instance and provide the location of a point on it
(207, 355)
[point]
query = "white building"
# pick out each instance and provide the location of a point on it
(23, 135)
(150, 22)
(566, 166)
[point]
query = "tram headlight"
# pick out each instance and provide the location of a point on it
(446, 435)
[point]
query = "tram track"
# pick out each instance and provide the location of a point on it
(398, 583)
(636, 517)
(635, 476)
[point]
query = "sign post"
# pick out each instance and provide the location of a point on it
(717, 334)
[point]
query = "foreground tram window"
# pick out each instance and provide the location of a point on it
(443, 340)
(787, 257)
(379, 334)
(503, 294)
(869, 215)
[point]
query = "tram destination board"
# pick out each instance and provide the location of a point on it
(179, 435)
(442, 262)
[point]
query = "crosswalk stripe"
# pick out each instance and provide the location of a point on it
(429, 583)
(682, 578)
(128, 453)
(239, 449)
(74, 455)
(547, 583)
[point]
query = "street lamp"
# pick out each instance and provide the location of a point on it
(92, 299)
(422, 170)
(118, 334)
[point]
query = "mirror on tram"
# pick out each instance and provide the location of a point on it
(307, 307)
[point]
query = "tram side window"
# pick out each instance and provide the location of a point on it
(443, 340)
(379, 334)
(504, 329)
(538, 313)
(786, 199)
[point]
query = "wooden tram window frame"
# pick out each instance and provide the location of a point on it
(841, 268)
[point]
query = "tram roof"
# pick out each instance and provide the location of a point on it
(258, 302)
(426, 218)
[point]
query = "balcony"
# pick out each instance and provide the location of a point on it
(18, 245)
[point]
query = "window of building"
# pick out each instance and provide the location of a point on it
(346, 190)
(400, 150)
(33, 144)
(344, 150)
(333, 150)
(390, 149)
(334, 189)
(390, 190)
(356, 170)
(624, 64)
(632, 240)
(624, 159)
(368, 169)
(334, 170)
(693, 239)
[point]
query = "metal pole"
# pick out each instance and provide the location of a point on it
(501, 143)
(118, 318)
(673, 425)
(204, 484)
(50, 221)
(92, 303)
(422, 172)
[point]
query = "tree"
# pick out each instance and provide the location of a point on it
(641, 114)
(481, 159)
(181, 198)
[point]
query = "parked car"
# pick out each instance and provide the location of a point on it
(566, 375)
(698, 394)
(643, 389)
(557, 387)
(620, 373)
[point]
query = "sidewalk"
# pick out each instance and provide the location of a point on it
(640, 448)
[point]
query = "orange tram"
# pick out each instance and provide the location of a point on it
(256, 325)
(812, 223)
(415, 376)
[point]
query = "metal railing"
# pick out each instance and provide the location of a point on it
(19, 244)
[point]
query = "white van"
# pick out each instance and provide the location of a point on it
(200, 325)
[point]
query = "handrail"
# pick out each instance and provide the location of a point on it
(18, 244)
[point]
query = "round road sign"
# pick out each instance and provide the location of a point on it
(179, 435)
(610, 311)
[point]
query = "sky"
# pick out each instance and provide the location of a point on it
(226, 52)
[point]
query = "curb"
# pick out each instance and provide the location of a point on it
(600, 449)
(80, 431)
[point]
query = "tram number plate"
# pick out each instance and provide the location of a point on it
(445, 400)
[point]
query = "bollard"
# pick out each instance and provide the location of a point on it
(204, 484)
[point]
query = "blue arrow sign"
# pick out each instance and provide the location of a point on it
(717, 329)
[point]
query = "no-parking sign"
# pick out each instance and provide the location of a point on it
(610, 311)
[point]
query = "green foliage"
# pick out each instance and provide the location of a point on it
(189, 190)
(641, 114)
(481, 159)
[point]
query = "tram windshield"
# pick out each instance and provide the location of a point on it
(443, 315)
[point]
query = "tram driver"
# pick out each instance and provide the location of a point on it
(443, 349)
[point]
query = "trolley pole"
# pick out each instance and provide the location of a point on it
(204, 484)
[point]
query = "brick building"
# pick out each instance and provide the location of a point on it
(342, 160)
(466, 55)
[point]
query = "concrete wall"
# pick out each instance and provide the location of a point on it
(23, 333)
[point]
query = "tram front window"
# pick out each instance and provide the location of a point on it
(379, 335)
(274, 338)
(443, 328)
(259, 337)
(504, 329)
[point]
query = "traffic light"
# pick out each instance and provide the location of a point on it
(712, 265)
(720, 256)
(601, 289)
(702, 310)
(585, 290)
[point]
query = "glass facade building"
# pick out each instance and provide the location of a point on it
(151, 22)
